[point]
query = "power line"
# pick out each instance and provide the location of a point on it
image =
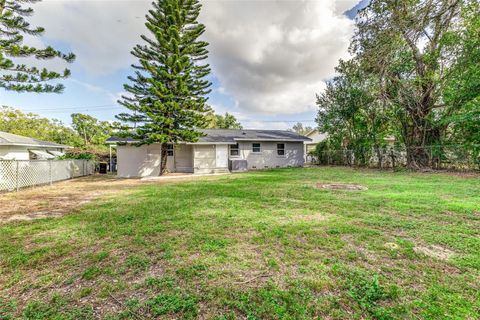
(106, 107)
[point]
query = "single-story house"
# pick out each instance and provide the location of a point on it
(219, 150)
(15, 147)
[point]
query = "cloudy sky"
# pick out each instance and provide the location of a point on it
(268, 57)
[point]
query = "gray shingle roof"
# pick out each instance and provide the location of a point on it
(233, 135)
(9, 139)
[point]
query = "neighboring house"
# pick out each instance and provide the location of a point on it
(15, 147)
(219, 150)
(310, 146)
(315, 138)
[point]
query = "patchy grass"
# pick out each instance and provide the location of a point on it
(260, 245)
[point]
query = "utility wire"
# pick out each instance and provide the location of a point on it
(113, 107)
(109, 106)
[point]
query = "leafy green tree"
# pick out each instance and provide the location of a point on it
(92, 131)
(20, 77)
(462, 93)
(406, 45)
(32, 125)
(218, 121)
(414, 76)
(167, 100)
(350, 112)
(300, 129)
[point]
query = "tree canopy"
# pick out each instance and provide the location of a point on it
(86, 132)
(32, 125)
(413, 75)
(226, 121)
(92, 131)
(300, 129)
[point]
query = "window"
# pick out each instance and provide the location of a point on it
(234, 150)
(256, 147)
(169, 150)
(281, 149)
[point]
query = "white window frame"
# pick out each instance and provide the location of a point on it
(234, 147)
(281, 149)
(259, 147)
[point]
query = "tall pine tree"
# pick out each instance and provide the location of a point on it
(167, 100)
(20, 77)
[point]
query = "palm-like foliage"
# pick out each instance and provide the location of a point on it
(167, 98)
(20, 77)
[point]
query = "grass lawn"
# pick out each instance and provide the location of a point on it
(260, 245)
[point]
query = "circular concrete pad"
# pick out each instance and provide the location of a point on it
(341, 186)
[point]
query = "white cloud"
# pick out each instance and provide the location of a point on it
(270, 56)
(341, 6)
(101, 33)
(267, 124)
(273, 56)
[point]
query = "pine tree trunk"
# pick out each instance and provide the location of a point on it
(163, 159)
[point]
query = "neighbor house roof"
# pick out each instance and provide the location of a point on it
(231, 136)
(9, 139)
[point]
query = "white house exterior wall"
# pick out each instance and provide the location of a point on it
(205, 158)
(20, 152)
(268, 158)
(140, 161)
(14, 153)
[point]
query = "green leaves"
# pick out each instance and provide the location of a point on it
(92, 131)
(31, 125)
(227, 121)
(19, 77)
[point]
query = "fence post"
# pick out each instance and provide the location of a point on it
(16, 175)
(50, 171)
(431, 157)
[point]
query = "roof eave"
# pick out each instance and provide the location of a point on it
(60, 146)
(274, 139)
(212, 142)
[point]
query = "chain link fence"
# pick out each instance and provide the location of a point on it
(17, 174)
(434, 157)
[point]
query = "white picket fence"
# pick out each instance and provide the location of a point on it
(17, 174)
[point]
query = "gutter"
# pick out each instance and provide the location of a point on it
(36, 145)
(286, 140)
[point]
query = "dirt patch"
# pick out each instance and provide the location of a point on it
(316, 217)
(63, 197)
(341, 186)
(434, 251)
